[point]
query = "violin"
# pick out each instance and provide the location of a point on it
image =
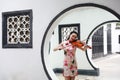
(79, 43)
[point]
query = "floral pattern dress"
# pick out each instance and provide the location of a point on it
(70, 65)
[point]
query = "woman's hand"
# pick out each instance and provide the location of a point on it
(59, 47)
(55, 49)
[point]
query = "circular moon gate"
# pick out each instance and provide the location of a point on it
(43, 45)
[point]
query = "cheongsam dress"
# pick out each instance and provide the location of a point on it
(70, 65)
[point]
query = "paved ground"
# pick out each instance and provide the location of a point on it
(109, 69)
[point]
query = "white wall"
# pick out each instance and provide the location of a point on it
(115, 46)
(25, 64)
(115, 38)
(105, 38)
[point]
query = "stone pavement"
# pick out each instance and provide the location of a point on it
(109, 69)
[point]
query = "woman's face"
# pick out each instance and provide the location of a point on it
(73, 37)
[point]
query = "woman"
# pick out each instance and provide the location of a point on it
(70, 65)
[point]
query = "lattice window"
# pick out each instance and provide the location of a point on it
(17, 29)
(117, 26)
(97, 43)
(65, 29)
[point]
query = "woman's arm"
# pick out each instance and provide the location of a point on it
(59, 47)
(84, 48)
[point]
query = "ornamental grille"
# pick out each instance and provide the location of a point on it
(97, 43)
(64, 31)
(18, 29)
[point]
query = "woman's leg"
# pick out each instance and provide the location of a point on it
(67, 78)
(72, 78)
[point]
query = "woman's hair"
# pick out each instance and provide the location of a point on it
(72, 33)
